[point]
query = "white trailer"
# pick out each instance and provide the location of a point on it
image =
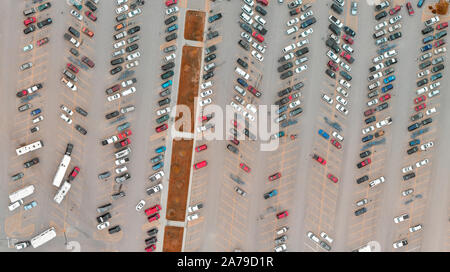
(43, 238)
(28, 148)
(21, 193)
(62, 168)
(62, 192)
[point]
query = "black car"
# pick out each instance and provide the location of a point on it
(395, 36)
(345, 75)
(285, 66)
(167, 74)
(168, 66)
(115, 70)
(210, 57)
(170, 48)
(208, 75)
(152, 231)
(364, 154)
(409, 176)
(81, 129)
(331, 43)
(117, 61)
(246, 27)
(242, 63)
(118, 195)
(112, 114)
(336, 8)
(437, 68)
(295, 112)
(91, 6)
(132, 47)
(349, 31)
(360, 211)
(427, 121)
(330, 73)
(17, 176)
(104, 217)
(301, 51)
(210, 49)
(422, 82)
(29, 29)
(285, 91)
(232, 148)
(260, 10)
(122, 178)
(308, 22)
(370, 120)
(372, 94)
(244, 44)
(380, 7)
(150, 241)
(260, 28)
(249, 134)
(114, 229)
(170, 20)
(362, 179)
(427, 30)
(413, 126)
(121, 17)
(336, 30)
(74, 32)
(412, 150)
(74, 52)
(31, 162)
(212, 35)
(163, 102)
(286, 74)
(383, 106)
(171, 37)
(45, 22)
(381, 15)
(416, 116)
(133, 30)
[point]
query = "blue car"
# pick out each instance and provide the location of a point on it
(270, 194)
(426, 48)
(166, 84)
(367, 138)
(436, 76)
(30, 206)
(215, 17)
(123, 127)
(413, 126)
(428, 39)
(160, 149)
(420, 3)
(242, 82)
(388, 79)
(282, 109)
(35, 112)
(414, 142)
(387, 88)
(158, 166)
(324, 134)
(172, 28)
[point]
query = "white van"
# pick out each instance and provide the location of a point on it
(122, 153)
(242, 73)
(246, 18)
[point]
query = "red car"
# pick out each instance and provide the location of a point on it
(42, 41)
(395, 9)
(347, 39)
(332, 178)
(200, 164)
(369, 112)
(275, 176)
(170, 3)
(263, 2)
(235, 141)
(72, 68)
(123, 143)
(150, 248)
(385, 97)
(439, 43)
(91, 15)
(153, 210)
(258, 36)
(22, 93)
(442, 25)
(201, 147)
(364, 163)
(419, 99)
(410, 8)
(282, 214)
(333, 66)
(347, 57)
(29, 20)
(161, 128)
(89, 62)
(235, 123)
(153, 217)
(207, 117)
(74, 173)
(420, 107)
(336, 144)
(124, 134)
(254, 91)
(244, 167)
(319, 159)
(87, 31)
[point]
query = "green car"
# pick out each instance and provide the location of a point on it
(44, 6)
(123, 126)
(162, 119)
(440, 34)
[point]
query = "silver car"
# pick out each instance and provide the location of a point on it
(26, 66)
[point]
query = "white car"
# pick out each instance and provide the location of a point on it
(400, 243)
(259, 47)
(206, 93)
(140, 205)
(372, 102)
(38, 119)
(120, 2)
(341, 109)
(422, 90)
(249, 2)
(395, 19)
(306, 32)
(121, 169)
(294, 104)
(368, 129)
(415, 228)
(407, 192)
(348, 48)
(132, 64)
(301, 60)
(67, 110)
(302, 42)
(28, 47)
(172, 10)
(236, 106)
(341, 100)
(282, 230)
(432, 21)
(121, 9)
(341, 90)
(407, 169)
(103, 225)
(313, 237)
(305, 15)
(395, 27)
(133, 56)
(440, 50)
(301, 68)
(288, 56)
(129, 91)
(293, 21)
(426, 146)
(248, 115)
(156, 176)
(337, 136)
(163, 111)
(346, 66)
(431, 111)
(289, 48)
(206, 85)
(66, 118)
(325, 236)
(434, 85)
(374, 85)
(76, 15)
(345, 83)
(381, 25)
(333, 56)
(260, 20)
(377, 181)
(121, 161)
(118, 52)
(113, 97)
(246, 36)
(192, 217)
(195, 207)
(327, 99)
(205, 102)
(422, 163)
(378, 58)
(251, 107)
(281, 247)
(390, 53)
(423, 73)
(119, 44)
(170, 57)
(209, 66)
(335, 21)
(385, 122)
(401, 218)
(292, 30)
(134, 12)
(379, 66)
(374, 76)
(127, 83)
(69, 84)
(242, 73)
(257, 55)
(433, 93)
